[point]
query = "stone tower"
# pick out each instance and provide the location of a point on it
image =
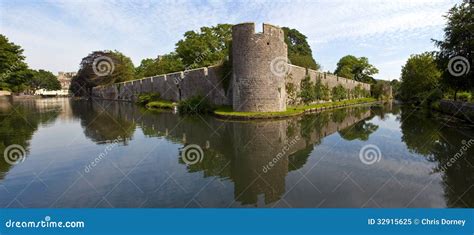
(260, 65)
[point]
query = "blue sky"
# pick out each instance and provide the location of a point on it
(56, 35)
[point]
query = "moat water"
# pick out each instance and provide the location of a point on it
(114, 154)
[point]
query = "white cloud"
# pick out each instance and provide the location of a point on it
(57, 34)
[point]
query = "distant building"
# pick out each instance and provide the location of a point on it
(65, 79)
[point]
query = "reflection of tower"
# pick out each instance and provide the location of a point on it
(259, 66)
(256, 145)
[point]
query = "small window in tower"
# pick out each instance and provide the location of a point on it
(268, 43)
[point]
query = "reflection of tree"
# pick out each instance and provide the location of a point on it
(212, 164)
(299, 159)
(424, 134)
(313, 123)
(419, 131)
(381, 110)
(339, 115)
(18, 124)
(361, 130)
(102, 124)
(458, 174)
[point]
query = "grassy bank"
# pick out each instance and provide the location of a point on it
(161, 104)
(227, 111)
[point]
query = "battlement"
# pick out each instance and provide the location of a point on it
(260, 74)
(248, 30)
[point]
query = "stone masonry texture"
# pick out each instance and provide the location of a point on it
(259, 76)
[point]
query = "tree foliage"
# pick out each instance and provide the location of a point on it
(307, 94)
(206, 47)
(15, 74)
(102, 68)
(168, 63)
(358, 69)
(145, 64)
(43, 79)
(13, 70)
(395, 88)
(458, 41)
(321, 90)
(299, 51)
(420, 76)
(339, 93)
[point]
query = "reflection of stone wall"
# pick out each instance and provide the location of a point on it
(241, 150)
(257, 144)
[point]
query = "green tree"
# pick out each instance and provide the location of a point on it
(13, 70)
(395, 88)
(102, 68)
(358, 69)
(307, 91)
(321, 90)
(458, 41)
(299, 51)
(43, 79)
(377, 89)
(420, 76)
(144, 65)
(206, 47)
(339, 93)
(168, 63)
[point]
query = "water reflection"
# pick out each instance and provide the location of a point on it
(438, 138)
(307, 161)
(18, 123)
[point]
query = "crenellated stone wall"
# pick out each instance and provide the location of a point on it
(258, 84)
(260, 75)
(205, 82)
(296, 74)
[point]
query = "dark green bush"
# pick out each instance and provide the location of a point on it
(195, 105)
(146, 98)
(307, 91)
(435, 95)
(339, 93)
(464, 96)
